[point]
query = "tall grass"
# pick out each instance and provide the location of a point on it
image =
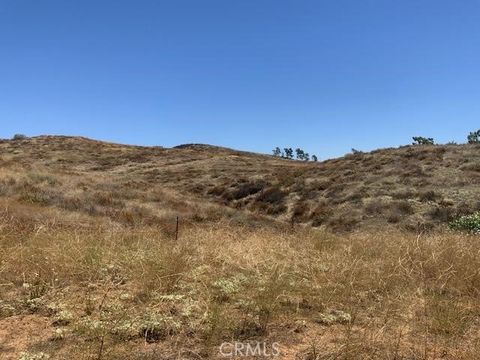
(366, 295)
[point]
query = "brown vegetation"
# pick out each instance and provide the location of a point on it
(90, 268)
(422, 185)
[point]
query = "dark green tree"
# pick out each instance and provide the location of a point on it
(314, 158)
(300, 154)
(420, 140)
(288, 153)
(277, 152)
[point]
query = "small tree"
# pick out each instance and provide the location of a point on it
(474, 137)
(300, 154)
(277, 152)
(420, 140)
(288, 153)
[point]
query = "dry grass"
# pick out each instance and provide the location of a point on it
(109, 291)
(90, 268)
(435, 183)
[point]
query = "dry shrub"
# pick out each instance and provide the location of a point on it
(321, 185)
(271, 201)
(34, 194)
(375, 207)
(405, 207)
(217, 190)
(244, 190)
(474, 166)
(442, 214)
(345, 220)
(107, 199)
(300, 211)
(429, 195)
(404, 194)
(321, 213)
(335, 191)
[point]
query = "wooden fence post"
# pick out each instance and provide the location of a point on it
(176, 231)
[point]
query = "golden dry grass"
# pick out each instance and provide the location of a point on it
(113, 292)
(90, 268)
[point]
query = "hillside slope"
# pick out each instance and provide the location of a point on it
(413, 187)
(91, 266)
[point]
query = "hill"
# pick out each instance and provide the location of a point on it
(343, 259)
(412, 187)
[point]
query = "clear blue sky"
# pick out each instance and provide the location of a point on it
(248, 74)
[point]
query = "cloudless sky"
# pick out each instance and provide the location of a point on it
(249, 74)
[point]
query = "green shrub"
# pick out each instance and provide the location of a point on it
(474, 137)
(469, 223)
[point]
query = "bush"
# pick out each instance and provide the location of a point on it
(299, 211)
(474, 137)
(469, 223)
(271, 201)
(19, 137)
(272, 195)
(442, 214)
(242, 190)
(429, 195)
